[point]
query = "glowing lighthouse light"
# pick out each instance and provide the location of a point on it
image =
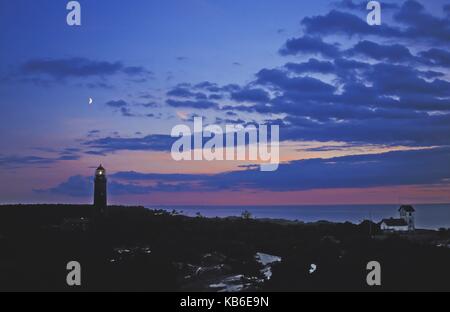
(100, 193)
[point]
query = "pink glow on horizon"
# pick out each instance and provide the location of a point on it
(376, 195)
(22, 182)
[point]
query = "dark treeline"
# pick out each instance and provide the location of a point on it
(138, 249)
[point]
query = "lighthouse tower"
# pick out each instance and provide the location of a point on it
(100, 201)
(407, 214)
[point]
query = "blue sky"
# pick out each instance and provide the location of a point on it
(339, 89)
(212, 34)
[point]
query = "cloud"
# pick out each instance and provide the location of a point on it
(126, 112)
(414, 23)
(97, 85)
(392, 53)
(18, 161)
(79, 71)
(80, 186)
(312, 66)
(135, 71)
(436, 57)
(382, 88)
(309, 45)
(302, 85)
(345, 70)
(215, 97)
(367, 102)
(148, 143)
(421, 24)
(446, 9)
(209, 86)
(200, 104)
(343, 23)
(117, 104)
(183, 92)
(204, 94)
(149, 104)
(154, 142)
(15, 161)
(413, 132)
(125, 108)
(362, 6)
(382, 76)
(121, 107)
(418, 167)
(75, 186)
(250, 95)
(78, 67)
(93, 133)
(389, 169)
(201, 93)
(131, 176)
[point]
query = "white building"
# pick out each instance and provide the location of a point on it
(404, 224)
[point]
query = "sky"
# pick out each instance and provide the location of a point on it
(363, 110)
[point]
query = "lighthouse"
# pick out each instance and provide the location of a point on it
(100, 188)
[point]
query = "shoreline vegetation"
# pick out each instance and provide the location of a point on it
(135, 248)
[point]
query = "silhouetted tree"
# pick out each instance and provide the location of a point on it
(246, 215)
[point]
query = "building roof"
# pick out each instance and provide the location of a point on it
(101, 168)
(394, 222)
(407, 208)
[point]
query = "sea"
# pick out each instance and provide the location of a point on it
(432, 216)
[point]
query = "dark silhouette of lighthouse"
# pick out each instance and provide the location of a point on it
(100, 192)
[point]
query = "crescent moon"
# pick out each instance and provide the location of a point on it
(91, 101)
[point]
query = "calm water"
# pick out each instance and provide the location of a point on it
(427, 216)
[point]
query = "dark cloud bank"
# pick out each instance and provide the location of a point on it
(420, 167)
